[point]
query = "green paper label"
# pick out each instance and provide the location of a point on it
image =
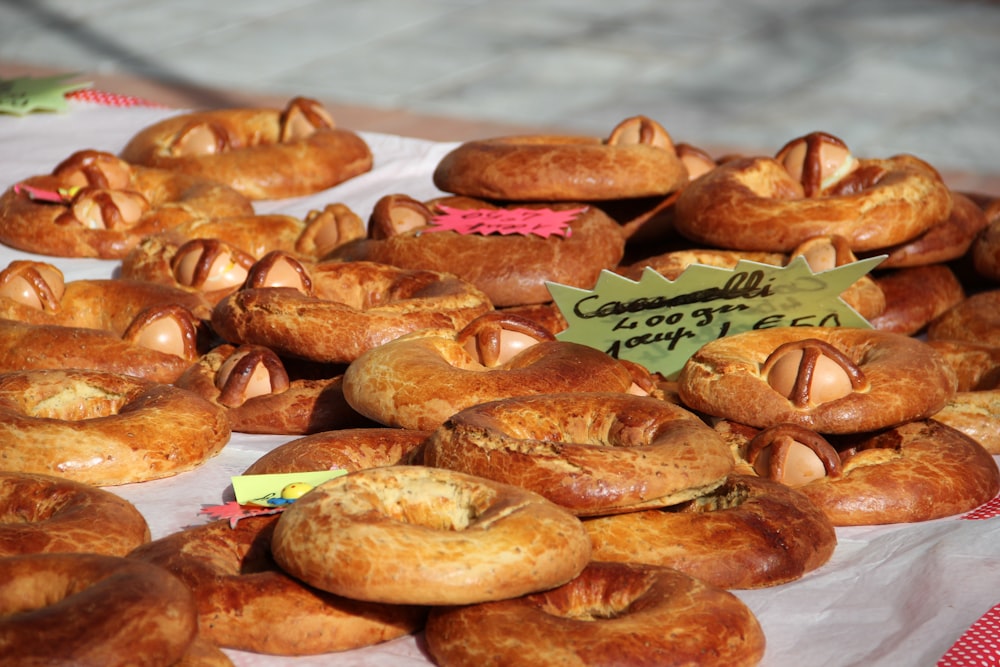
(659, 323)
(23, 95)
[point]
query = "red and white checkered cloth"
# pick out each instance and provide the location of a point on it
(110, 99)
(979, 646)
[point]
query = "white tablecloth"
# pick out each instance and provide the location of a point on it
(891, 595)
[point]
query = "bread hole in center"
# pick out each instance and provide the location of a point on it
(76, 401)
(435, 505)
(596, 598)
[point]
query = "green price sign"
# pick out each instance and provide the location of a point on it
(660, 323)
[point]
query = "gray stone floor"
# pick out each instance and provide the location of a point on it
(887, 76)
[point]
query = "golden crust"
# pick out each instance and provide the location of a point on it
(977, 415)
(356, 306)
(754, 204)
(173, 199)
(558, 168)
(419, 380)
(917, 471)
(595, 243)
(102, 428)
(915, 296)
(591, 453)
(59, 515)
(975, 318)
(612, 614)
(26, 347)
(947, 240)
(92, 609)
(250, 156)
(906, 380)
(749, 533)
(108, 304)
(308, 404)
(248, 603)
(418, 535)
(344, 449)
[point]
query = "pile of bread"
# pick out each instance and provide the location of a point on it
(516, 498)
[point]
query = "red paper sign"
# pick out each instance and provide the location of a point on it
(542, 222)
(60, 196)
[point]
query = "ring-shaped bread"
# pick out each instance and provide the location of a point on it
(417, 535)
(263, 153)
(246, 602)
(262, 393)
(828, 379)
(915, 296)
(975, 319)
(636, 160)
(212, 256)
(976, 364)
(36, 292)
(343, 449)
(104, 429)
(755, 203)
(590, 453)
(333, 311)
(750, 532)
(101, 207)
(32, 347)
(46, 514)
(613, 614)
(421, 379)
(948, 240)
(92, 609)
(917, 471)
(401, 233)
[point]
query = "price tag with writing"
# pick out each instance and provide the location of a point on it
(660, 323)
(544, 222)
(25, 94)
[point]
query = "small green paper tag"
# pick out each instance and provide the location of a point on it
(26, 94)
(659, 323)
(266, 490)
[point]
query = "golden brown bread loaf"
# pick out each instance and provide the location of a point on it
(343, 449)
(975, 318)
(612, 614)
(246, 602)
(419, 380)
(755, 203)
(883, 379)
(262, 153)
(915, 296)
(917, 471)
(594, 243)
(103, 428)
(91, 609)
(212, 256)
(108, 207)
(261, 393)
(636, 160)
(591, 453)
(338, 310)
(54, 514)
(947, 240)
(418, 535)
(26, 347)
(751, 532)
